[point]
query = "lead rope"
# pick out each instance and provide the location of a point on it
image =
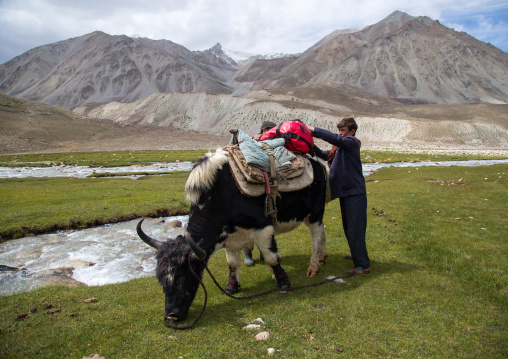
(171, 323)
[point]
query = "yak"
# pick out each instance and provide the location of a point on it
(222, 217)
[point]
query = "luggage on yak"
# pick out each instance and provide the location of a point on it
(297, 136)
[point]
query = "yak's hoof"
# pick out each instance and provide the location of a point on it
(248, 261)
(284, 286)
(231, 290)
(284, 289)
(311, 272)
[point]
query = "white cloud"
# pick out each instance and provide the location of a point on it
(253, 26)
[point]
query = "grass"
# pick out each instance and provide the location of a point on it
(391, 156)
(99, 158)
(40, 205)
(438, 286)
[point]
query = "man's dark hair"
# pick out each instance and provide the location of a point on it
(268, 125)
(348, 122)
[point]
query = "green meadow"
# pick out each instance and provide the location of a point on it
(438, 287)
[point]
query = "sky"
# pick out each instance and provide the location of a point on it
(257, 26)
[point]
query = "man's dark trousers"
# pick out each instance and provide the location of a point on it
(354, 222)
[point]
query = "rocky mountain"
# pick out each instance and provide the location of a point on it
(100, 68)
(412, 60)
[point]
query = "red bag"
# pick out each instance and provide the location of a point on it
(298, 136)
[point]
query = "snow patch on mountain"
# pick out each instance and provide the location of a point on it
(243, 56)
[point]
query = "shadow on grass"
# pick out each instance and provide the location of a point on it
(296, 267)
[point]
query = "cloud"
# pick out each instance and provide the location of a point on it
(255, 26)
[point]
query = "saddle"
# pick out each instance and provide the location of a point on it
(254, 182)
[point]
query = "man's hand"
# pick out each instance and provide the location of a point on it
(311, 128)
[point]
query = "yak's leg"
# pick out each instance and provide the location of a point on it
(248, 261)
(268, 248)
(281, 277)
(233, 259)
(318, 239)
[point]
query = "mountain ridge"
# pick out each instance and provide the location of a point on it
(392, 58)
(404, 58)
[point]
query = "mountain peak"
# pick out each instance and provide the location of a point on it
(216, 47)
(397, 17)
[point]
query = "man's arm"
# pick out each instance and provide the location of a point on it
(335, 139)
(320, 153)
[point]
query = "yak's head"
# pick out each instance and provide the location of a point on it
(179, 270)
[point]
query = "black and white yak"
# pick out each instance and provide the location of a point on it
(221, 217)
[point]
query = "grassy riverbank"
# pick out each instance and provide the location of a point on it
(125, 158)
(40, 205)
(438, 286)
(99, 158)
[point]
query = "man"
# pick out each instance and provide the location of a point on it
(348, 184)
(249, 261)
(265, 126)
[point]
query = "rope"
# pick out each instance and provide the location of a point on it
(171, 323)
(273, 290)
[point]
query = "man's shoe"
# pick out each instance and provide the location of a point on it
(358, 270)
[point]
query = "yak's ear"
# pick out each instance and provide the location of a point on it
(198, 251)
(147, 239)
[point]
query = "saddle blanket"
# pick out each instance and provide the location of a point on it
(251, 180)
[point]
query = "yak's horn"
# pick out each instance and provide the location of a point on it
(198, 251)
(147, 239)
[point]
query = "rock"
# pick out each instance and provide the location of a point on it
(78, 264)
(174, 224)
(58, 277)
(270, 351)
(156, 221)
(258, 320)
(47, 305)
(66, 271)
(263, 336)
(33, 309)
(252, 327)
(94, 356)
(90, 299)
(5, 268)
